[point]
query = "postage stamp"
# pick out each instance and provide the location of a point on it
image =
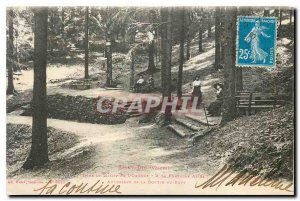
(256, 41)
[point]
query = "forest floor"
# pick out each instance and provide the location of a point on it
(107, 146)
(258, 142)
(92, 148)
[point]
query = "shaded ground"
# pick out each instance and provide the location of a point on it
(103, 148)
(262, 142)
(60, 142)
(258, 142)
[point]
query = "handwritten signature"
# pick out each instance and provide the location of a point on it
(83, 188)
(242, 178)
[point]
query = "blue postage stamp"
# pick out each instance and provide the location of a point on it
(256, 41)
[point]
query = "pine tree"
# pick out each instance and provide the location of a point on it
(188, 39)
(86, 44)
(181, 52)
(38, 155)
(151, 46)
(9, 57)
(217, 38)
(200, 42)
(228, 107)
(166, 52)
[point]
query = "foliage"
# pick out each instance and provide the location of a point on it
(18, 143)
(261, 143)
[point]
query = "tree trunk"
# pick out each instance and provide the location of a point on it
(62, 29)
(201, 37)
(239, 79)
(222, 37)
(38, 155)
(151, 51)
(181, 52)
(166, 46)
(52, 31)
(239, 71)
(9, 57)
(156, 52)
(266, 13)
(217, 39)
(280, 20)
(108, 55)
(16, 57)
(276, 13)
(188, 39)
(86, 44)
(132, 82)
(151, 54)
(208, 27)
(228, 107)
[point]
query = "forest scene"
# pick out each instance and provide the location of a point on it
(66, 65)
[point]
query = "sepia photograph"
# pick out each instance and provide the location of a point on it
(178, 100)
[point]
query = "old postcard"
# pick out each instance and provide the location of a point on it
(150, 100)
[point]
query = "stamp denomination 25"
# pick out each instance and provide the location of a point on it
(256, 41)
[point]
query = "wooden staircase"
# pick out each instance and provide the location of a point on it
(192, 127)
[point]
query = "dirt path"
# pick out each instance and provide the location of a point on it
(132, 144)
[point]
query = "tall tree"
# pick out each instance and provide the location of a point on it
(228, 107)
(217, 38)
(246, 11)
(181, 52)
(108, 55)
(38, 155)
(151, 46)
(151, 54)
(62, 29)
(132, 69)
(188, 38)
(222, 36)
(86, 44)
(280, 20)
(9, 57)
(208, 25)
(276, 12)
(166, 47)
(51, 32)
(200, 42)
(266, 13)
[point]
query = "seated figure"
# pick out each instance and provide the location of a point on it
(139, 84)
(214, 109)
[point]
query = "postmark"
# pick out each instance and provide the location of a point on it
(256, 41)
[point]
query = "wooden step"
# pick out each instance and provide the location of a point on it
(190, 124)
(180, 130)
(136, 115)
(212, 121)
